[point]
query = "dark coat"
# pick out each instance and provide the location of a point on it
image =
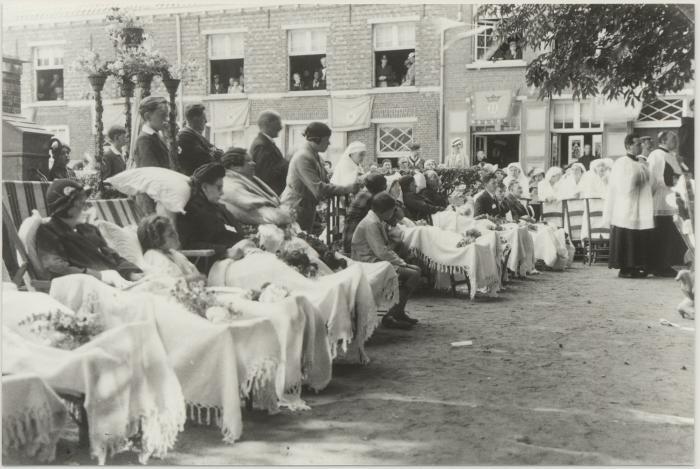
(203, 226)
(417, 207)
(586, 160)
(270, 165)
(386, 72)
(194, 150)
(63, 251)
(112, 163)
(150, 150)
(486, 205)
(515, 207)
(434, 197)
(60, 173)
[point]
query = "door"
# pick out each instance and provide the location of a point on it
(480, 144)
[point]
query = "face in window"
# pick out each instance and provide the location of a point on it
(384, 61)
(297, 78)
(323, 62)
(513, 47)
(58, 91)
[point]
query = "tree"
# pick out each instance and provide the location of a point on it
(636, 51)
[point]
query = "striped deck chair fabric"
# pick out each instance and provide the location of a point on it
(121, 212)
(22, 197)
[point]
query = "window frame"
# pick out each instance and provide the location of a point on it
(239, 54)
(576, 123)
(396, 36)
(38, 68)
(309, 31)
(394, 154)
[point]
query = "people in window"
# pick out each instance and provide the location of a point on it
(385, 74)
(324, 78)
(42, 91)
(233, 86)
(514, 52)
(316, 83)
(410, 78)
(217, 87)
(297, 84)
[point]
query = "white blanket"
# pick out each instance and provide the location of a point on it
(124, 374)
(550, 246)
(522, 249)
(32, 417)
(343, 299)
(439, 249)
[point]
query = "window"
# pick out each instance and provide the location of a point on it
(574, 115)
(393, 141)
(49, 73)
(395, 54)
(662, 110)
(295, 138)
(307, 59)
(488, 46)
(226, 53)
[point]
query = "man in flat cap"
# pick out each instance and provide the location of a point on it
(194, 149)
(307, 180)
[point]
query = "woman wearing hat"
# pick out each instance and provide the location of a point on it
(67, 245)
(206, 223)
(61, 156)
(307, 179)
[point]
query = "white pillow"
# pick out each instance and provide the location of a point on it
(168, 187)
(27, 234)
(123, 240)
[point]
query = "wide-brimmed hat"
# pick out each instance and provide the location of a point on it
(61, 194)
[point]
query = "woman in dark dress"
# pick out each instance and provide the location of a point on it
(61, 157)
(206, 223)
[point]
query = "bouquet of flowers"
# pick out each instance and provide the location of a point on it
(119, 25)
(64, 330)
(325, 253)
(89, 62)
(194, 296)
(468, 238)
(188, 69)
(271, 293)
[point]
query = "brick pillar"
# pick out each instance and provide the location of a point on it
(11, 89)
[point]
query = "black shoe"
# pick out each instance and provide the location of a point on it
(402, 316)
(390, 322)
(666, 273)
(640, 274)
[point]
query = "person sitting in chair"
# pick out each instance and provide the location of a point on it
(67, 245)
(374, 184)
(370, 243)
(486, 203)
(514, 205)
(416, 207)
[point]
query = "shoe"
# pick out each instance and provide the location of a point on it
(624, 274)
(640, 274)
(666, 273)
(392, 323)
(402, 316)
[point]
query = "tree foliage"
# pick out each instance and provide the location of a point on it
(633, 51)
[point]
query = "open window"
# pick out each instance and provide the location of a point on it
(307, 59)
(394, 54)
(394, 140)
(49, 73)
(226, 57)
(489, 47)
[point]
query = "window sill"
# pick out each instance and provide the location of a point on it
(57, 103)
(224, 96)
(479, 64)
(292, 94)
(393, 89)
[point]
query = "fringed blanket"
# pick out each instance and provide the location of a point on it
(343, 299)
(383, 280)
(32, 417)
(438, 248)
(203, 355)
(522, 250)
(124, 374)
(550, 246)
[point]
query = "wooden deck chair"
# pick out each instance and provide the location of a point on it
(22, 197)
(335, 217)
(15, 258)
(596, 237)
(553, 214)
(574, 212)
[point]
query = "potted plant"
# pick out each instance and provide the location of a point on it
(89, 62)
(124, 29)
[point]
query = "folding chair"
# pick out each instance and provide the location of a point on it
(20, 271)
(574, 218)
(596, 238)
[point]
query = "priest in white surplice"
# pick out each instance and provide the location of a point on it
(629, 209)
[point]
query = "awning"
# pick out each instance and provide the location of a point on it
(491, 107)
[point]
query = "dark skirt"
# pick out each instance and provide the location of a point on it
(629, 249)
(668, 245)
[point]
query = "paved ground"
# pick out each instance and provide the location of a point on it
(565, 368)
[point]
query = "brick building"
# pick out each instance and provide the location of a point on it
(459, 90)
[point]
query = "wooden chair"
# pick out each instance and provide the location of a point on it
(596, 238)
(574, 212)
(16, 261)
(553, 214)
(335, 216)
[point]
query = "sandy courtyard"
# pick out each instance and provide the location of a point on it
(565, 368)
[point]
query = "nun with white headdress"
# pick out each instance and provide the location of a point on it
(569, 187)
(548, 188)
(515, 173)
(348, 169)
(594, 184)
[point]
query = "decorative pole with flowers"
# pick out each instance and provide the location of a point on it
(171, 84)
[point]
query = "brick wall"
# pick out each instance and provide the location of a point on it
(11, 87)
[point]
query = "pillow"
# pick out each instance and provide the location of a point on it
(168, 187)
(27, 234)
(123, 240)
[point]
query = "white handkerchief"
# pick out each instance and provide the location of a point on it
(230, 228)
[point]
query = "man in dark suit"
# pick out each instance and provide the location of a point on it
(150, 149)
(587, 156)
(194, 150)
(113, 158)
(270, 165)
(486, 203)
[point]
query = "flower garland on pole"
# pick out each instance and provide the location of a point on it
(172, 78)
